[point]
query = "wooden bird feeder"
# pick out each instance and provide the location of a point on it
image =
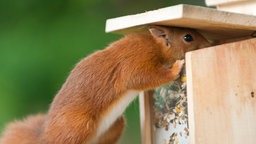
(217, 104)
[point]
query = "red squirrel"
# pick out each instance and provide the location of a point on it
(89, 106)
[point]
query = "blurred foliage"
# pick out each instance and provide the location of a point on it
(41, 40)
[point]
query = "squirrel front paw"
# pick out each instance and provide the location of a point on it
(176, 68)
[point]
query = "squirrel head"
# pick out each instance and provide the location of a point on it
(175, 42)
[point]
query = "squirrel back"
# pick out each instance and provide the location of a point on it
(88, 108)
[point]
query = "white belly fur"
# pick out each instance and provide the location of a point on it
(116, 111)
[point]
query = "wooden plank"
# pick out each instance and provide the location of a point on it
(245, 7)
(221, 84)
(214, 24)
(222, 2)
(236, 6)
(145, 100)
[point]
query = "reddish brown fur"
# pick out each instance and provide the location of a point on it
(24, 132)
(135, 62)
(114, 132)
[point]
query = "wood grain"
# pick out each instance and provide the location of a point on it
(222, 2)
(214, 24)
(236, 6)
(146, 116)
(221, 84)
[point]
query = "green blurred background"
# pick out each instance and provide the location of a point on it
(41, 41)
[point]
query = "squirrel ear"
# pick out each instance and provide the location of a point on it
(157, 32)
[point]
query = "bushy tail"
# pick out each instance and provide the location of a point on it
(23, 132)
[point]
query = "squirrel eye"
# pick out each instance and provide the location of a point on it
(188, 38)
(163, 35)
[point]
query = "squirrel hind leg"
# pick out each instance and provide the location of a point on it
(23, 132)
